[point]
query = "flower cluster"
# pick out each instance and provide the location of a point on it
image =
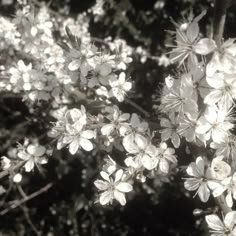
(198, 105)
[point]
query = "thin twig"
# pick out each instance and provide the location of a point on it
(218, 30)
(29, 221)
(137, 107)
(219, 20)
(18, 203)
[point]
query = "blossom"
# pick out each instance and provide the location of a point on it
(71, 130)
(77, 138)
(32, 155)
(169, 130)
(136, 127)
(188, 44)
(187, 126)
(219, 168)
(198, 180)
(144, 151)
(119, 87)
(20, 74)
(179, 96)
(166, 156)
(214, 124)
(113, 188)
(5, 162)
(227, 148)
(117, 121)
(222, 228)
(229, 184)
(224, 90)
(223, 60)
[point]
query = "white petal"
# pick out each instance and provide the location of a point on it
(101, 185)
(213, 97)
(214, 222)
(74, 146)
(203, 192)
(87, 134)
(120, 197)
(105, 197)
(17, 178)
(107, 129)
(118, 175)
(124, 187)
(204, 46)
(36, 150)
(105, 176)
(191, 184)
(149, 163)
(86, 144)
(29, 165)
(164, 166)
(141, 141)
(74, 65)
(175, 140)
(229, 200)
(230, 219)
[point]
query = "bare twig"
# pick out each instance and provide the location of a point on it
(29, 221)
(18, 203)
(219, 20)
(137, 107)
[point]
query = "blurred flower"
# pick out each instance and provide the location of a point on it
(219, 228)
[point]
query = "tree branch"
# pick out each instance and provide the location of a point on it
(18, 203)
(218, 30)
(219, 20)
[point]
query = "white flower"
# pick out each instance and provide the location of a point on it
(33, 155)
(179, 96)
(186, 38)
(169, 130)
(137, 127)
(225, 228)
(119, 87)
(6, 162)
(166, 156)
(117, 121)
(187, 126)
(214, 124)
(228, 184)
(223, 60)
(144, 151)
(77, 138)
(17, 178)
(113, 189)
(227, 148)
(199, 179)
(21, 74)
(219, 168)
(224, 90)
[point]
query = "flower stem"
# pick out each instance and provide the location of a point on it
(219, 20)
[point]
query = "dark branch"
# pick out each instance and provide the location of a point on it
(219, 20)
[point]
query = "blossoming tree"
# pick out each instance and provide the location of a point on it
(85, 86)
